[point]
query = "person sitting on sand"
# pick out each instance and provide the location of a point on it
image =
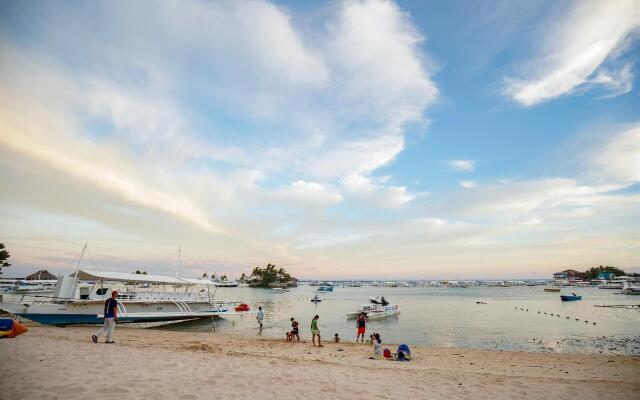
(377, 345)
(110, 319)
(294, 329)
(289, 336)
(370, 340)
(315, 331)
(336, 339)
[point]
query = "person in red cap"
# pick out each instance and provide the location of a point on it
(110, 318)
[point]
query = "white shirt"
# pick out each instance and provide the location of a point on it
(377, 348)
(260, 315)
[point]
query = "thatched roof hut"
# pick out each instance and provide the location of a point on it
(43, 274)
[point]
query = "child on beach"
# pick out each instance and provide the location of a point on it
(294, 329)
(315, 331)
(336, 339)
(260, 317)
(377, 345)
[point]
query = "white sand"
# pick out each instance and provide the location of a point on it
(63, 363)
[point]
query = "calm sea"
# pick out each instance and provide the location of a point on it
(449, 317)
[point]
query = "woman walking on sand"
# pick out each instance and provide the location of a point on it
(315, 331)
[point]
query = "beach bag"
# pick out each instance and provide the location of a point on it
(10, 328)
(386, 353)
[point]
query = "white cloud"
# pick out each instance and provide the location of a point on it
(468, 184)
(617, 161)
(575, 48)
(462, 165)
(373, 192)
(310, 193)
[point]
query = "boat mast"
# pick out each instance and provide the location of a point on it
(75, 276)
(178, 266)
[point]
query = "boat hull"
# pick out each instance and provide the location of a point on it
(90, 312)
(570, 298)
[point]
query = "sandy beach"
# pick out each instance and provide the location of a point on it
(63, 363)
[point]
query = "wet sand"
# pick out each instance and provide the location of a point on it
(63, 363)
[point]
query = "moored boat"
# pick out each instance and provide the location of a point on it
(73, 303)
(375, 311)
(570, 297)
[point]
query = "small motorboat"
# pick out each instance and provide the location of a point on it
(378, 300)
(325, 289)
(316, 299)
(375, 311)
(570, 297)
(552, 289)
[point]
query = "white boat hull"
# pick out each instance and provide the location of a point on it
(91, 311)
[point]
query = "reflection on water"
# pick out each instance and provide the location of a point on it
(512, 318)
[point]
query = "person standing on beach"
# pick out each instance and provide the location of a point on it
(361, 322)
(294, 329)
(315, 331)
(260, 317)
(110, 319)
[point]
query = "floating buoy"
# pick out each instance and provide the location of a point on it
(577, 319)
(567, 317)
(527, 309)
(558, 315)
(586, 322)
(552, 315)
(545, 313)
(594, 323)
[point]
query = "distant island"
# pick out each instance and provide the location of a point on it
(270, 277)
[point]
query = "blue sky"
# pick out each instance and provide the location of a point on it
(357, 139)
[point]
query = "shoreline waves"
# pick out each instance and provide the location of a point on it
(63, 363)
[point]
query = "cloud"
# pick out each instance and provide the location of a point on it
(580, 44)
(462, 165)
(468, 184)
(618, 159)
(375, 193)
(310, 193)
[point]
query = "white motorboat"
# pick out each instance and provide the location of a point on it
(631, 290)
(279, 290)
(226, 283)
(378, 300)
(375, 311)
(32, 287)
(612, 284)
(166, 299)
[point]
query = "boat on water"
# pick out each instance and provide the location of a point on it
(378, 300)
(570, 297)
(316, 299)
(325, 289)
(375, 311)
(226, 283)
(552, 289)
(612, 284)
(630, 290)
(279, 290)
(32, 287)
(79, 299)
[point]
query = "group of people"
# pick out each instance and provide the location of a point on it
(111, 317)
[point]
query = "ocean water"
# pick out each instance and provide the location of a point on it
(512, 318)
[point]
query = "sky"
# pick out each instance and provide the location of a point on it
(340, 140)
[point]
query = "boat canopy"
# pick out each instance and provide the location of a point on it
(138, 278)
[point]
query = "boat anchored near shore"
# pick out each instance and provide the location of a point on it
(375, 311)
(145, 298)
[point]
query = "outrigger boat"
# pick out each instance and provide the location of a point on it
(166, 299)
(375, 311)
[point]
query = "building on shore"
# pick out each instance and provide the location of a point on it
(42, 275)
